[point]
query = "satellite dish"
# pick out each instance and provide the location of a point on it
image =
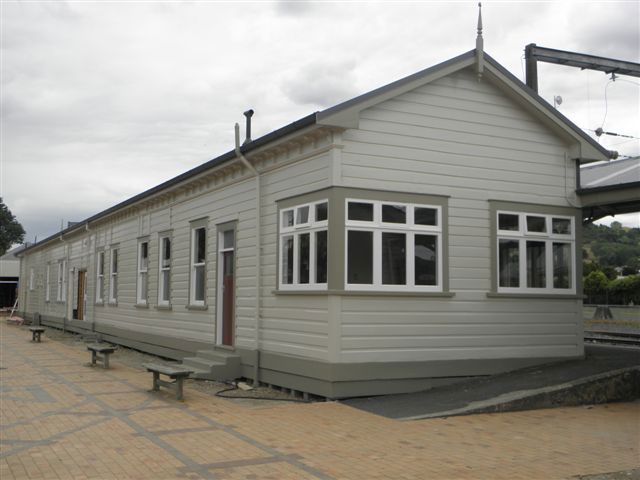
(557, 101)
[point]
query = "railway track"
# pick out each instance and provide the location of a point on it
(612, 338)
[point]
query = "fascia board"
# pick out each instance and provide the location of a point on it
(347, 114)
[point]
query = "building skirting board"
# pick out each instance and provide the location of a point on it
(163, 346)
(341, 380)
(318, 377)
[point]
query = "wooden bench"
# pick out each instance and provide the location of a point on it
(15, 320)
(176, 373)
(100, 353)
(35, 333)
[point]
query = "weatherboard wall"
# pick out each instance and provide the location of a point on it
(457, 138)
(290, 325)
(466, 140)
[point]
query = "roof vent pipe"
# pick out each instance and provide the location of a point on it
(248, 114)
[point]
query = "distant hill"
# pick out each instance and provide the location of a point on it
(614, 246)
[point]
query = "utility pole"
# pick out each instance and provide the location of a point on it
(534, 54)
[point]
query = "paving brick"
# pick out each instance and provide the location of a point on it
(63, 420)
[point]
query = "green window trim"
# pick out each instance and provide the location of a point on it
(535, 232)
(336, 241)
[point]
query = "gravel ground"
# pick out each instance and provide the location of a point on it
(623, 475)
(256, 398)
(613, 326)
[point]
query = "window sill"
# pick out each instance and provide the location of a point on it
(197, 307)
(163, 307)
(113, 303)
(365, 293)
(141, 305)
(562, 296)
(99, 304)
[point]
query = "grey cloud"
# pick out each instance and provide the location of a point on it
(152, 89)
(612, 31)
(293, 7)
(321, 84)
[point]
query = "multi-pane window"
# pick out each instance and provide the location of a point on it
(164, 277)
(62, 281)
(100, 277)
(113, 276)
(143, 272)
(536, 253)
(303, 246)
(198, 266)
(47, 285)
(393, 246)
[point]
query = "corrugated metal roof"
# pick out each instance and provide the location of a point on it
(615, 172)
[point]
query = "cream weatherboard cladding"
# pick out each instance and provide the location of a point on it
(461, 138)
(462, 147)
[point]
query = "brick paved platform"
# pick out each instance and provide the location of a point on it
(63, 420)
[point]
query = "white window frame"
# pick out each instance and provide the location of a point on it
(410, 229)
(62, 281)
(311, 226)
(47, 290)
(162, 268)
(522, 235)
(32, 281)
(100, 276)
(113, 276)
(194, 265)
(142, 287)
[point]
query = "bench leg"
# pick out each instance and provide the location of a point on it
(156, 377)
(105, 360)
(179, 388)
(93, 357)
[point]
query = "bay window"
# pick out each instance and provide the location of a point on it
(303, 246)
(535, 253)
(393, 246)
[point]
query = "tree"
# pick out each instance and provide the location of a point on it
(595, 285)
(588, 267)
(11, 231)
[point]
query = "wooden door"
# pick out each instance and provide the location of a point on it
(81, 294)
(228, 298)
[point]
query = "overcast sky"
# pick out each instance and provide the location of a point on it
(103, 100)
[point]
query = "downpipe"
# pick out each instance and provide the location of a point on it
(252, 169)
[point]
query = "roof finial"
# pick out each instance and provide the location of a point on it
(479, 45)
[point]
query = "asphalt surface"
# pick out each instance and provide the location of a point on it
(469, 396)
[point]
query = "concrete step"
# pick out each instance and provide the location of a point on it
(214, 365)
(219, 356)
(201, 363)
